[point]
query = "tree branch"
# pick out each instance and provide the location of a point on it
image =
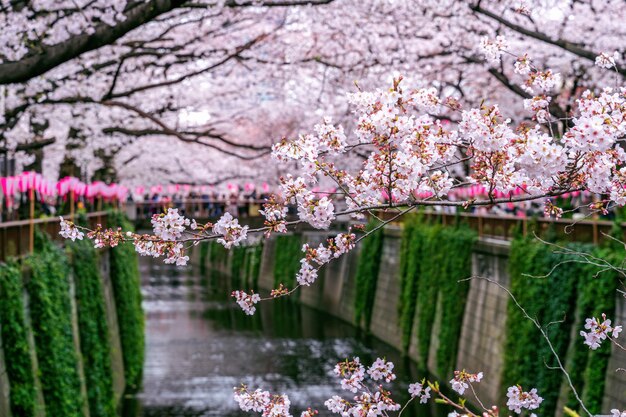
(166, 130)
(46, 57)
(29, 146)
(561, 43)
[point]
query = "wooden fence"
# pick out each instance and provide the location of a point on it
(16, 237)
(504, 227)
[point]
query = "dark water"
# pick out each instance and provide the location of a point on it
(199, 345)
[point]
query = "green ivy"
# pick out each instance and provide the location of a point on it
(560, 311)
(204, 254)
(93, 329)
(50, 310)
(218, 254)
(127, 294)
(457, 243)
(429, 276)
(431, 269)
(254, 265)
(14, 334)
(367, 276)
(411, 256)
(522, 338)
(288, 252)
(596, 295)
(237, 265)
(571, 292)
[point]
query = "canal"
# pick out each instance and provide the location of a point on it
(199, 345)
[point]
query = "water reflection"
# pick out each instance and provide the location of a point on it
(200, 345)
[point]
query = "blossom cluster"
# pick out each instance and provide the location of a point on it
(230, 231)
(518, 399)
(607, 60)
(70, 231)
(493, 49)
(321, 255)
(598, 331)
(418, 390)
(462, 379)
(170, 225)
(371, 399)
(265, 403)
(246, 301)
(371, 402)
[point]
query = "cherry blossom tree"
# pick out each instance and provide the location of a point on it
(215, 79)
(527, 102)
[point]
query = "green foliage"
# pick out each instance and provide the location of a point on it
(411, 256)
(431, 269)
(127, 293)
(596, 295)
(50, 311)
(246, 265)
(457, 243)
(218, 254)
(559, 310)
(93, 329)
(19, 367)
(288, 252)
(254, 264)
(522, 338)
(204, 254)
(568, 295)
(432, 261)
(237, 265)
(367, 275)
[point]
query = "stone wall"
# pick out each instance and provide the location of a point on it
(483, 333)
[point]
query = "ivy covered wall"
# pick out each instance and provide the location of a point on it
(367, 270)
(95, 345)
(429, 279)
(561, 292)
(42, 289)
(19, 367)
(433, 262)
(51, 317)
(242, 263)
(127, 292)
(288, 252)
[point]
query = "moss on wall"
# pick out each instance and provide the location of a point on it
(46, 276)
(218, 254)
(596, 295)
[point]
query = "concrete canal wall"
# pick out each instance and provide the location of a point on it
(482, 339)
